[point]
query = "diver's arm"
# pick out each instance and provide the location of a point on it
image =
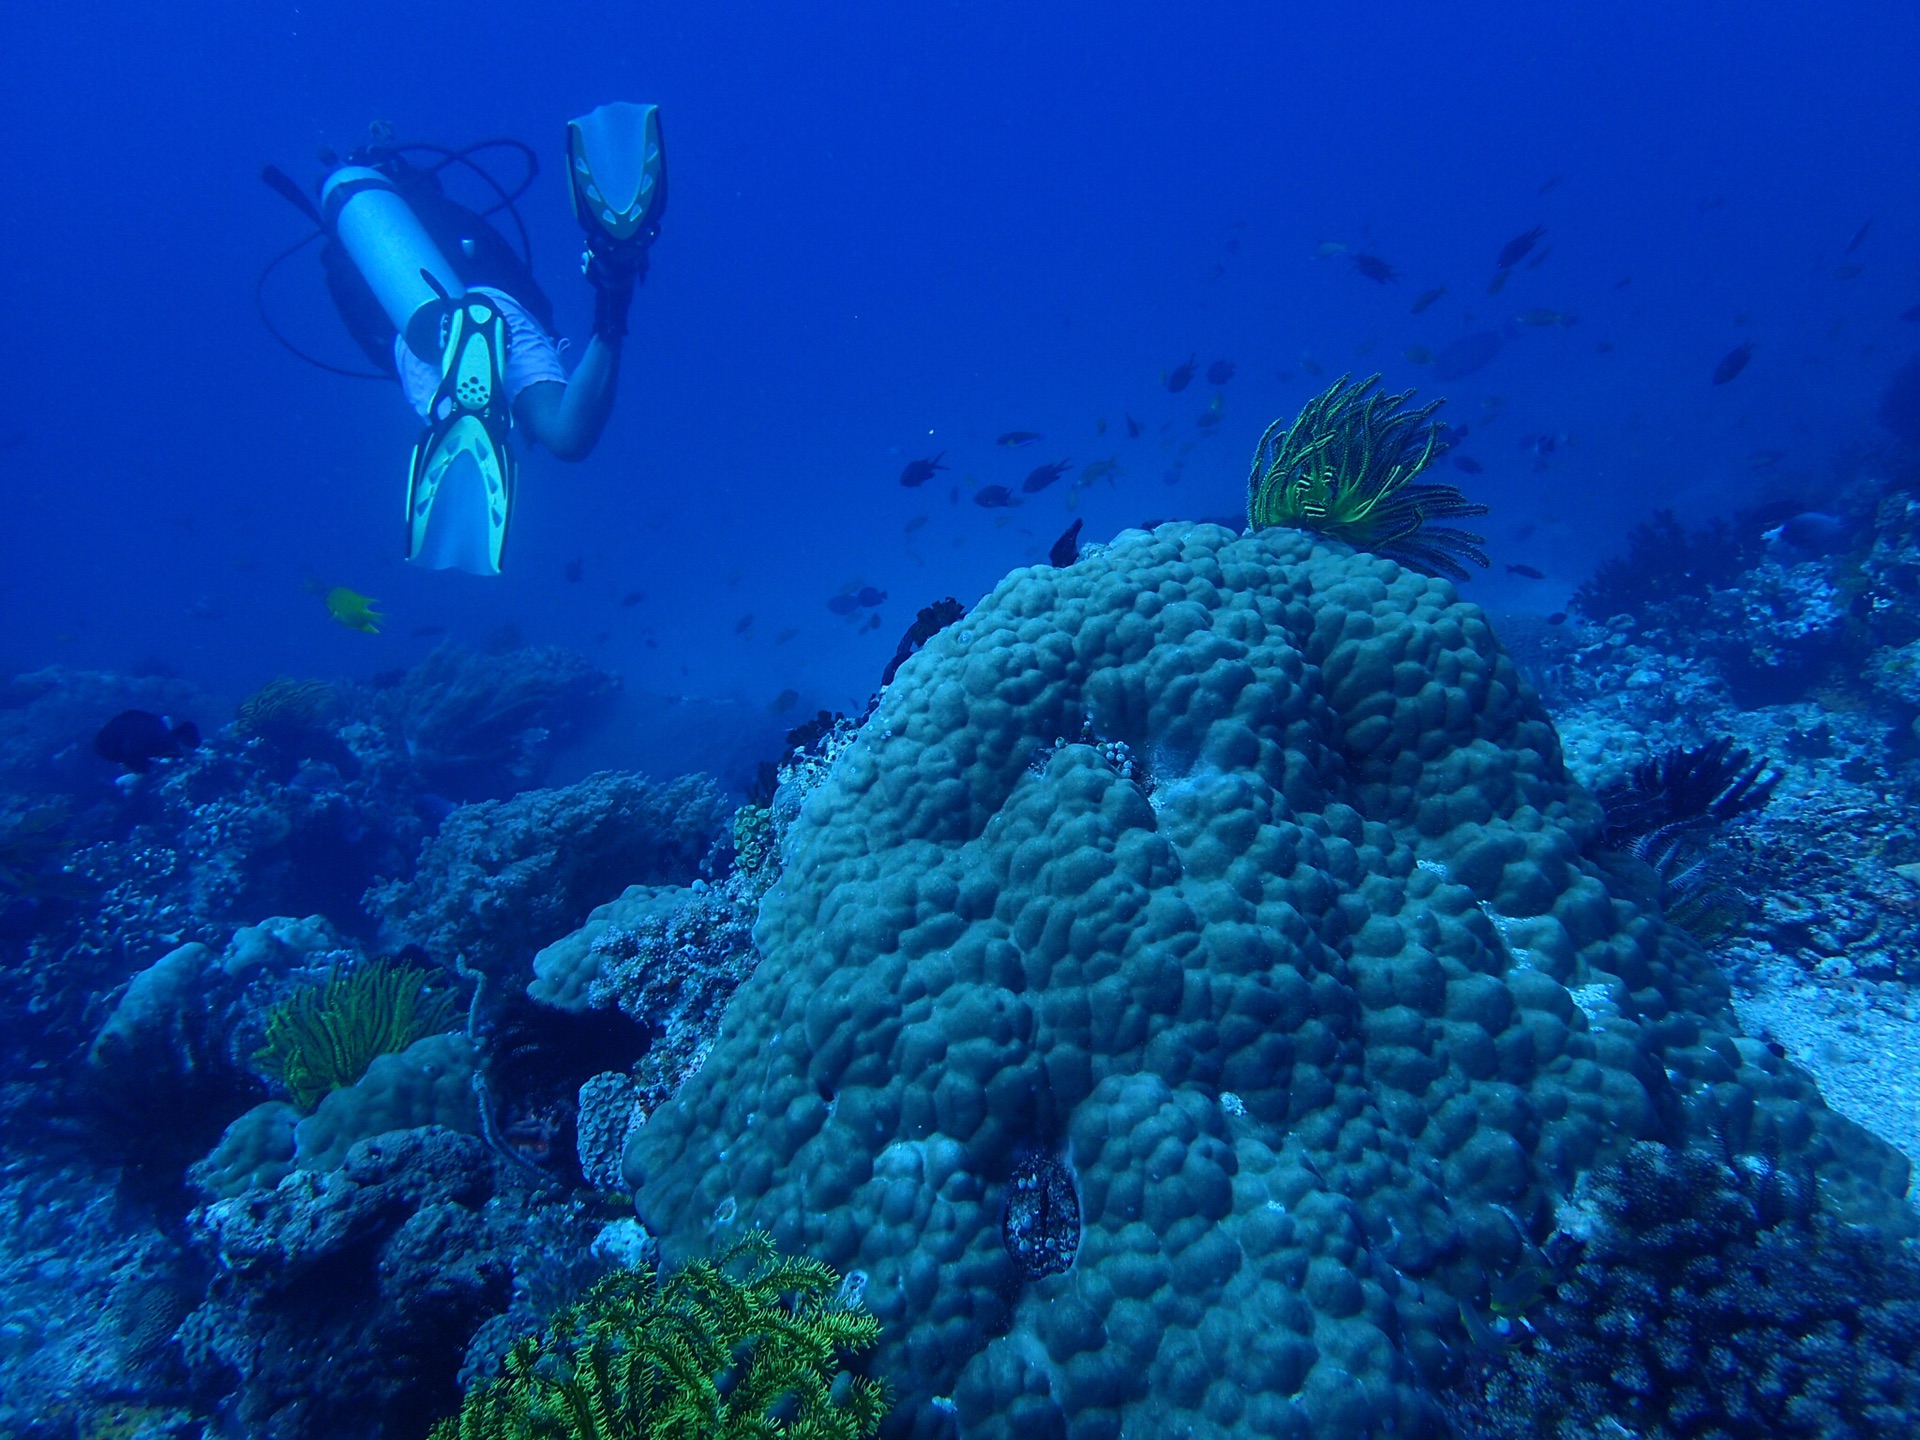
(568, 418)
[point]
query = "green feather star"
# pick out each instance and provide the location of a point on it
(1346, 467)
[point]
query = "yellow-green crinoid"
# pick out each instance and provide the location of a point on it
(1347, 466)
(324, 1037)
(747, 1344)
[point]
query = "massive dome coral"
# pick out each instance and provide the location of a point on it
(1189, 996)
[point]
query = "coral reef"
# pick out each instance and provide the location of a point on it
(1778, 631)
(746, 1343)
(674, 973)
(1347, 467)
(343, 1305)
(503, 878)
(1320, 1032)
(671, 957)
(483, 726)
(1698, 1297)
(1665, 566)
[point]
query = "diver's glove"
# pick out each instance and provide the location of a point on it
(613, 268)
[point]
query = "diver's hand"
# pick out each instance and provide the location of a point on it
(613, 268)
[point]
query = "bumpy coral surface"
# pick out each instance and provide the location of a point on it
(1319, 1028)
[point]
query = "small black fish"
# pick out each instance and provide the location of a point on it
(844, 603)
(918, 472)
(632, 598)
(1525, 572)
(873, 623)
(1220, 372)
(427, 632)
(576, 569)
(994, 497)
(1066, 549)
(1859, 236)
(1732, 363)
(868, 597)
(1181, 375)
(1468, 464)
(915, 523)
(1426, 298)
(783, 702)
(1498, 282)
(743, 625)
(1375, 269)
(136, 738)
(1042, 476)
(1518, 248)
(1134, 427)
(1558, 617)
(1014, 439)
(1911, 314)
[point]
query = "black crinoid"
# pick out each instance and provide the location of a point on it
(1665, 813)
(1683, 793)
(1346, 467)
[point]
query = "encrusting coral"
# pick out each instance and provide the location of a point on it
(1347, 467)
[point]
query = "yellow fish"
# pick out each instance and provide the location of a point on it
(354, 610)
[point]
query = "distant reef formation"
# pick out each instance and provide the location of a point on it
(1191, 1003)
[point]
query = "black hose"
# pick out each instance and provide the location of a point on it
(464, 156)
(260, 305)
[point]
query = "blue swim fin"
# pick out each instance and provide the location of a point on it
(460, 484)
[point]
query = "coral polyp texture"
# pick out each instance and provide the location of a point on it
(1347, 467)
(1319, 1033)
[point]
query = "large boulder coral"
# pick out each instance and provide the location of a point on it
(1188, 993)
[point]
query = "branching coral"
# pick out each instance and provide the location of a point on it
(1346, 467)
(747, 1343)
(324, 1038)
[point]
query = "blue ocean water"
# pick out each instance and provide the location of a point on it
(902, 232)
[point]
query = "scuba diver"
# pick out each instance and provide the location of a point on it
(438, 300)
